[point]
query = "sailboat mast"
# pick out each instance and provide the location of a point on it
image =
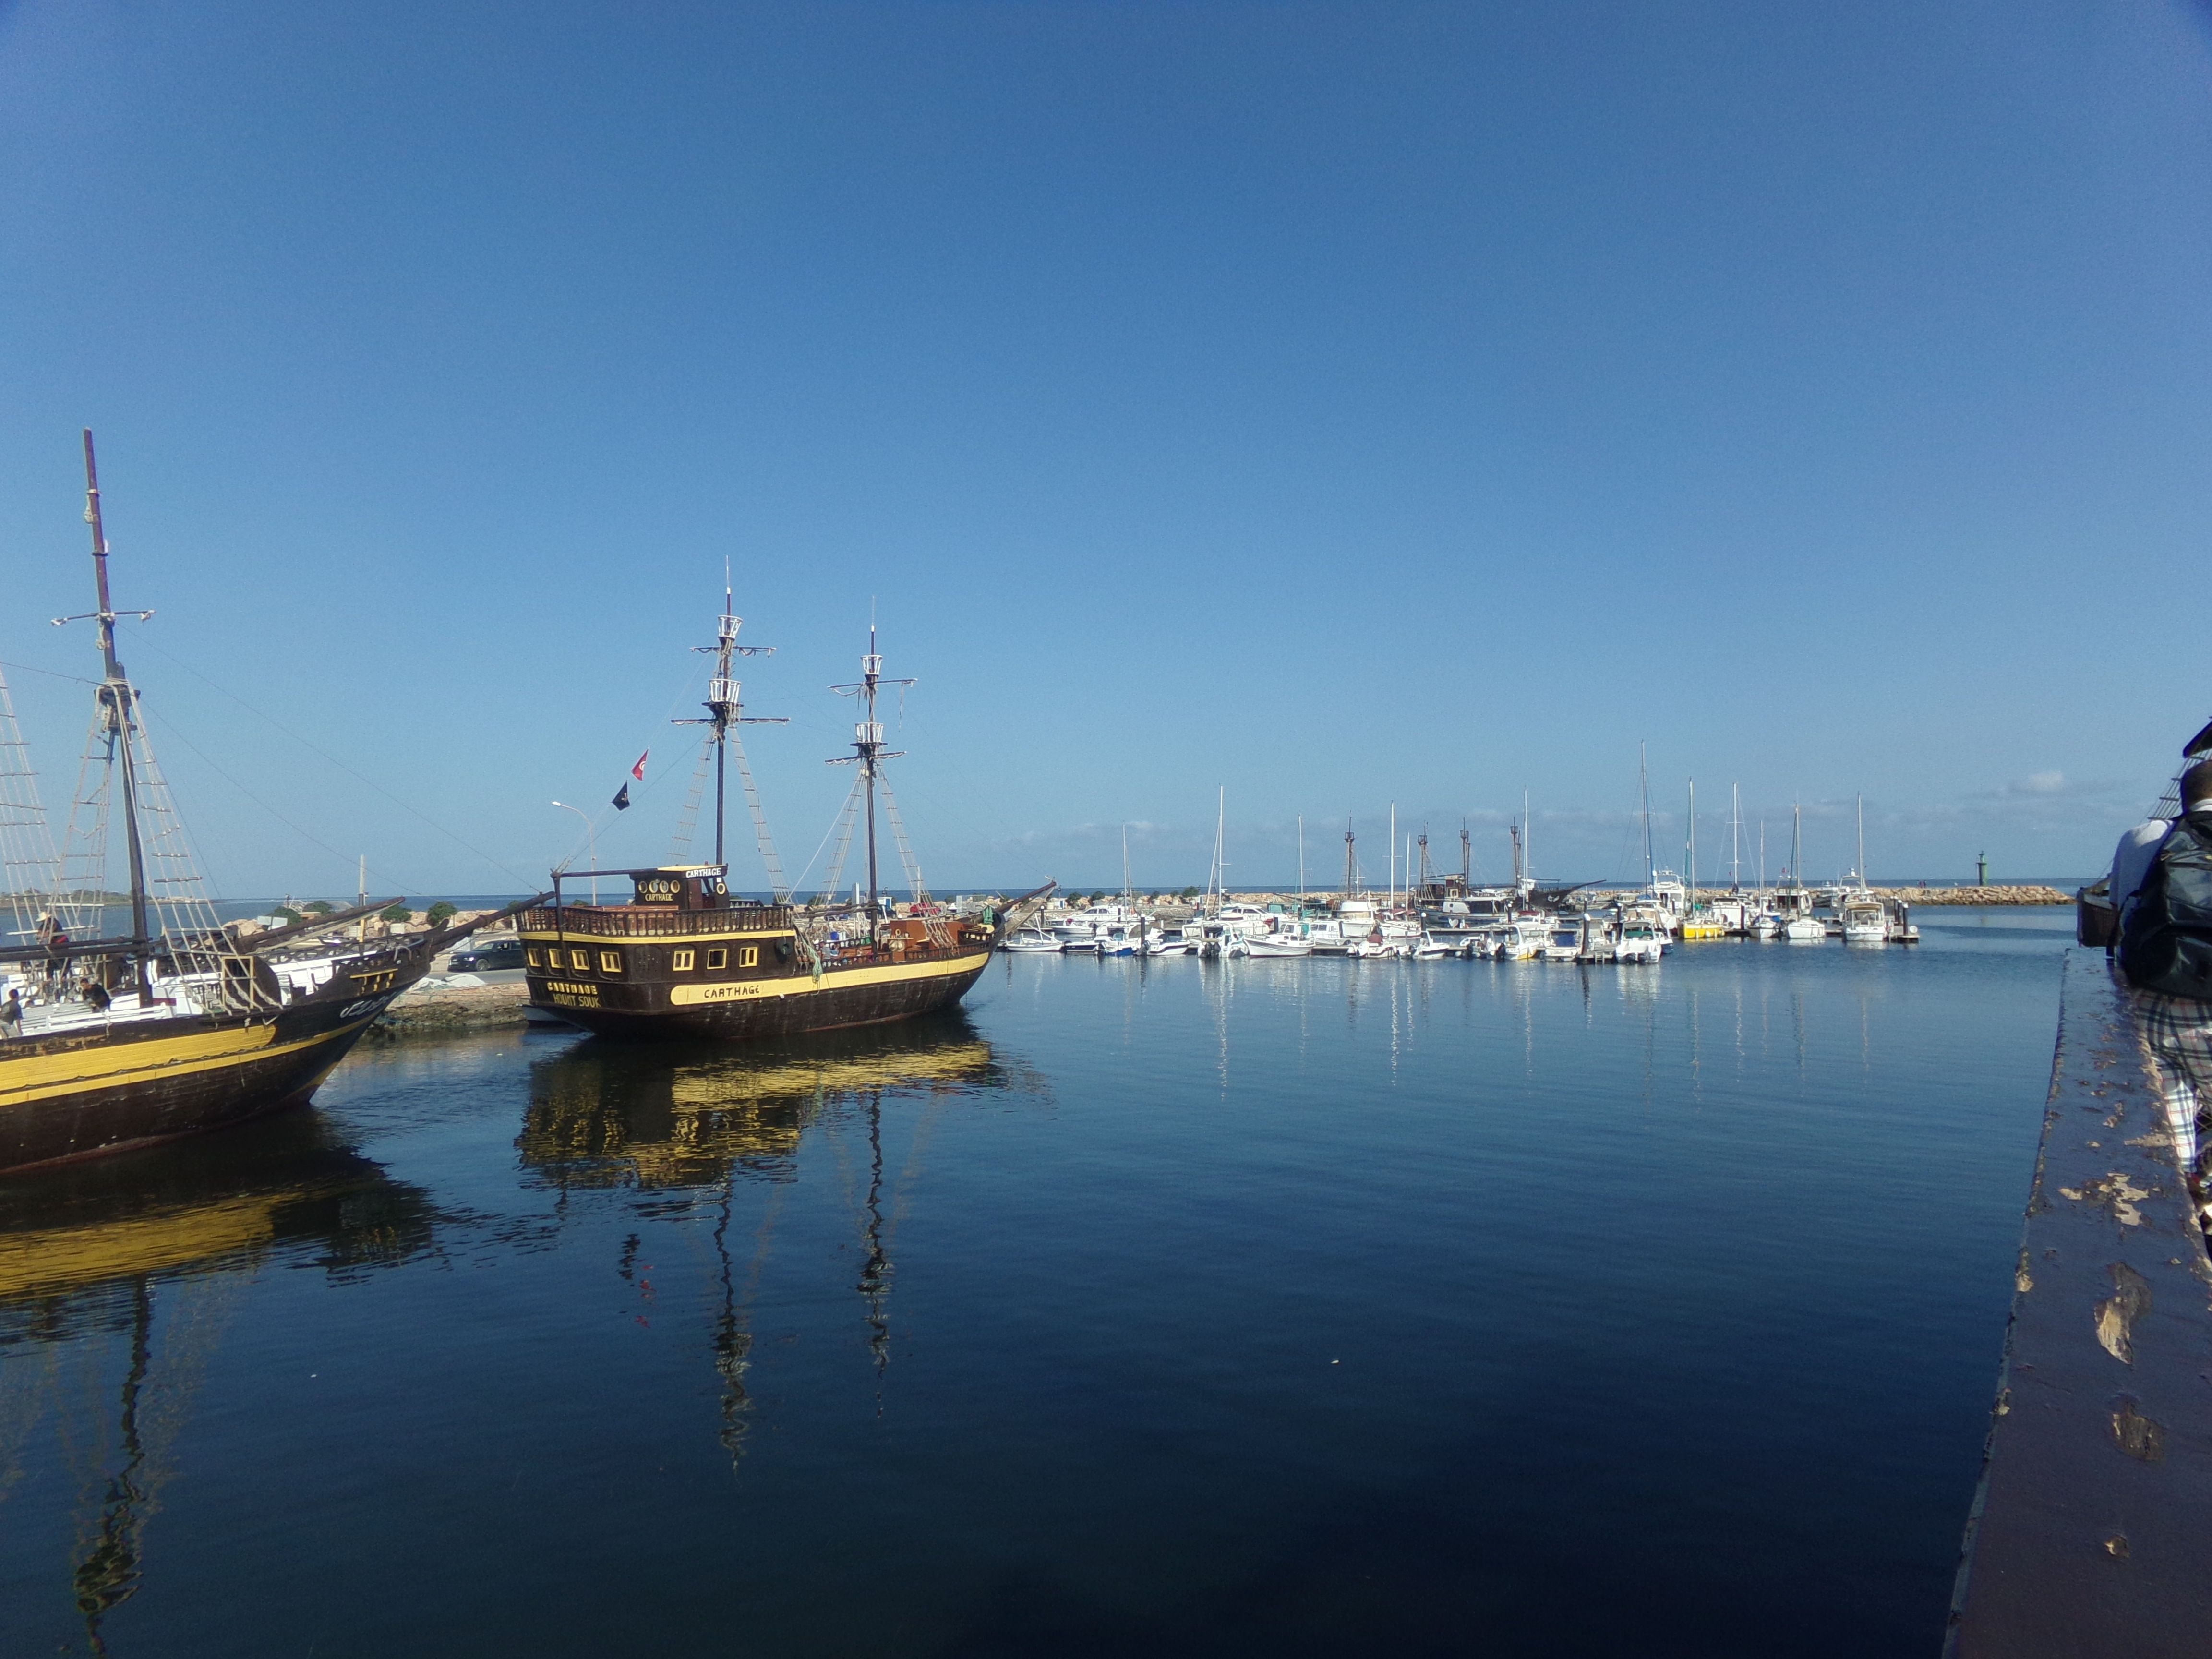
(118, 709)
(1691, 901)
(1644, 794)
(1302, 855)
(1735, 841)
(1220, 847)
(1862, 876)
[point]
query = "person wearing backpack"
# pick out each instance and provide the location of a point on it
(2161, 888)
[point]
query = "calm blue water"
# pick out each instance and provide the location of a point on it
(1173, 1308)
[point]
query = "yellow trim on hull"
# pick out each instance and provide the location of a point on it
(43, 1076)
(835, 979)
(576, 936)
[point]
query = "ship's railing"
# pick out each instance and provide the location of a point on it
(643, 922)
(2088, 1533)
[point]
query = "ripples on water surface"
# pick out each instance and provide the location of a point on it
(1265, 1307)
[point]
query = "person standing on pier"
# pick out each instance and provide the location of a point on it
(2161, 891)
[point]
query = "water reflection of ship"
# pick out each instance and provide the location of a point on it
(94, 1251)
(690, 1115)
(699, 1117)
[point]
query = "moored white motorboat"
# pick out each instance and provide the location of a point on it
(1639, 944)
(1030, 939)
(1804, 930)
(1276, 945)
(1864, 921)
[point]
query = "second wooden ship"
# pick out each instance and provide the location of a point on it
(684, 956)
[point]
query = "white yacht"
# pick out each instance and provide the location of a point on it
(1030, 939)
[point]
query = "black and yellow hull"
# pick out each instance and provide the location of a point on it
(776, 1005)
(83, 1094)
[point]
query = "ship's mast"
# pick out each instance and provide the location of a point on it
(868, 751)
(118, 713)
(725, 709)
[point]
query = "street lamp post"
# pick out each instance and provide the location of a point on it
(590, 839)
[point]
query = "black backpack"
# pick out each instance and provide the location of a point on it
(2165, 939)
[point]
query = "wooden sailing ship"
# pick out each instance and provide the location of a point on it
(684, 956)
(177, 1025)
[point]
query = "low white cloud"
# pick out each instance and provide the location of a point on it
(2040, 783)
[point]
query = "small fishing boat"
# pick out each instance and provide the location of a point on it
(1030, 940)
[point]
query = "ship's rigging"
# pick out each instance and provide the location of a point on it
(724, 714)
(869, 754)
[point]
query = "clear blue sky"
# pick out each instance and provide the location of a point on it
(1340, 404)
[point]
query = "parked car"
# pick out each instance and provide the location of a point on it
(493, 953)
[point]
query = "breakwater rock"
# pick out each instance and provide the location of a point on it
(1977, 894)
(438, 1009)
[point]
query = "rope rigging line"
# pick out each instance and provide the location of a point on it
(383, 879)
(843, 828)
(32, 864)
(687, 818)
(333, 760)
(777, 886)
(898, 835)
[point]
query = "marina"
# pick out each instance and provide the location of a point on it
(623, 1024)
(1164, 1306)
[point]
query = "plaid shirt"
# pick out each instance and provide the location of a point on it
(2178, 1032)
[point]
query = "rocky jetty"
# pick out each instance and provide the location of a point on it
(1977, 894)
(437, 1008)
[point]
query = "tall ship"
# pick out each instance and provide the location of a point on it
(685, 957)
(176, 1024)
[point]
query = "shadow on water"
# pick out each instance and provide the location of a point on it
(126, 1247)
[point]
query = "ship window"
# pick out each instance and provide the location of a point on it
(611, 962)
(681, 961)
(750, 956)
(580, 961)
(718, 958)
(530, 958)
